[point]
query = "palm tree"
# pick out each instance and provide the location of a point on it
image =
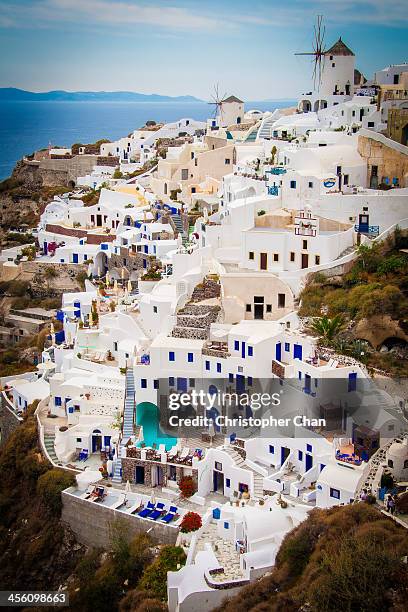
(327, 328)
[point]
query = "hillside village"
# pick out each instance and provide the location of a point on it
(257, 252)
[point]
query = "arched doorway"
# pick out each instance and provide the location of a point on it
(305, 106)
(96, 440)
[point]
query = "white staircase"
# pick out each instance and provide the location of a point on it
(128, 421)
(240, 462)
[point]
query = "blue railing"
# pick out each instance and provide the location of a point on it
(277, 171)
(371, 230)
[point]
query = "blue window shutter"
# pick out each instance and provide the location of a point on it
(171, 381)
(207, 365)
(250, 351)
(219, 368)
(190, 357)
(236, 345)
(171, 356)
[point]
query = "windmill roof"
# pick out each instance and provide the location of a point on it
(339, 48)
(233, 99)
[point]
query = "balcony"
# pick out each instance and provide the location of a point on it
(367, 230)
(216, 349)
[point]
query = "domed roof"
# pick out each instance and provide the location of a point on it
(398, 449)
(339, 48)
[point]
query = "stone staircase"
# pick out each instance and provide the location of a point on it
(194, 320)
(240, 462)
(178, 224)
(347, 251)
(49, 440)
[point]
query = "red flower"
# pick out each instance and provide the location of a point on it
(187, 486)
(191, 522)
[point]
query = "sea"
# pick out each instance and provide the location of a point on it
(28, 126)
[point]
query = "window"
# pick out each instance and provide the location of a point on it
(269, 308)
(293, 184)
(227, 161)
(300, 375)
(58, 401)
(230, 377)
(309, 448)
(276, 257)
(226, 525)
(334, 493)
(184, 174)
(248, 308)
(155, 309)
(390, 463)
(317, 260)
(310, 184)
(300, 455)
(171, 356)
(304, 245)
(251, 255)
(219, 369)
(292, 256)
(190, 357)
(207, 365)
(271, 449)
(287, 346)
(281, 300)
(346, 178)
(236, 345)
(218, 466)
(171, 381)
(249, 381)
(79, 440)
(227, 483)
(143, 383)
(156, 384)
(333, 65)
(250, 351)
(115, 346)
(191, 382)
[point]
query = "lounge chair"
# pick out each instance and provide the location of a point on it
(157, 512)
(137, 506)
(184, 453)
(146, 511)
(121, 502)
(170, 515)
(172, 453)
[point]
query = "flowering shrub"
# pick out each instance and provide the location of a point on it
(187, 486)
(191, 522)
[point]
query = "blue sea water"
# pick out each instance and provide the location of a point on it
(28, 126)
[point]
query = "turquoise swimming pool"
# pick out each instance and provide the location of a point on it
(147, 416)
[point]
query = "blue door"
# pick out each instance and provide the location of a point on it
(240, 383)
(352, 381)
(45, 248)
(285, 452)
(243, 350)
(297, 351)
(309, 462)
(74, 258)
(308, 381)
(278, 351)
(182, 385)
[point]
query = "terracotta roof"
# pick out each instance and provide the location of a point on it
(339, 48)
(233, 99)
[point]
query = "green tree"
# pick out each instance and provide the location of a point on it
(327, 329)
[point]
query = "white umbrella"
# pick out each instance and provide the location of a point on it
(211, 431)
(115, 286)
(153, 497)
(129, 285)
(107, 279)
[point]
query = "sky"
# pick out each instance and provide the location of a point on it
(180, 47)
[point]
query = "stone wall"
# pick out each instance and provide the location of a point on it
(390, 162)
(8, 421)
(92, 523)
(66, 169)
(397, 124)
